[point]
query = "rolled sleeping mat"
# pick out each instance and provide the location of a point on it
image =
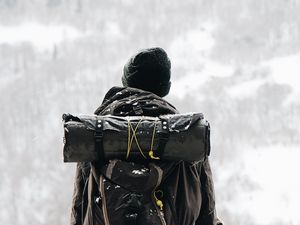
(168, 137)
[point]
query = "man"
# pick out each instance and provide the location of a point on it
(183, 192)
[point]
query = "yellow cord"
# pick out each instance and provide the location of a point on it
(135, 138)
(151, 153)
(128, 140)
(158, 202)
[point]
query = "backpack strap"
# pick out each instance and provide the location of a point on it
(136, 106)
(99, 139)
(207, 140)
(164, 136)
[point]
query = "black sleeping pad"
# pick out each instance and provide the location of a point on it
(172, 137)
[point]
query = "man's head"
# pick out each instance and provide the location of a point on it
(149, 70)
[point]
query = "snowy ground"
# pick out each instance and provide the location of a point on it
(266, 185)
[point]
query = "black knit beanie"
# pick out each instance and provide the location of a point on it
(149, 70)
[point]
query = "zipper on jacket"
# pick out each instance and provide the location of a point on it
(159, 212)
(104, 208)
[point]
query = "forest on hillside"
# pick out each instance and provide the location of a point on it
(235, 61)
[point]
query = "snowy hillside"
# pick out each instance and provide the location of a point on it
(238, 62)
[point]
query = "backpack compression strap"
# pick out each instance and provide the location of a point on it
(99, 139)
(164, 137)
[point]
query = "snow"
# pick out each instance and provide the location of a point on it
(281, 70)
(275, 192)
(41, 36)
(286, 70)
(245, 89)
(140, 172)
(191, 52)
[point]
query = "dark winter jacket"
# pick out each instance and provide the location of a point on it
(188, 193)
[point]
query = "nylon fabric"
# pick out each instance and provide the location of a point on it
(188, 194)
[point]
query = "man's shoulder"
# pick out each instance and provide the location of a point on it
(134, 99)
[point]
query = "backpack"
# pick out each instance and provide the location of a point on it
(126, 194)
(121, 192)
